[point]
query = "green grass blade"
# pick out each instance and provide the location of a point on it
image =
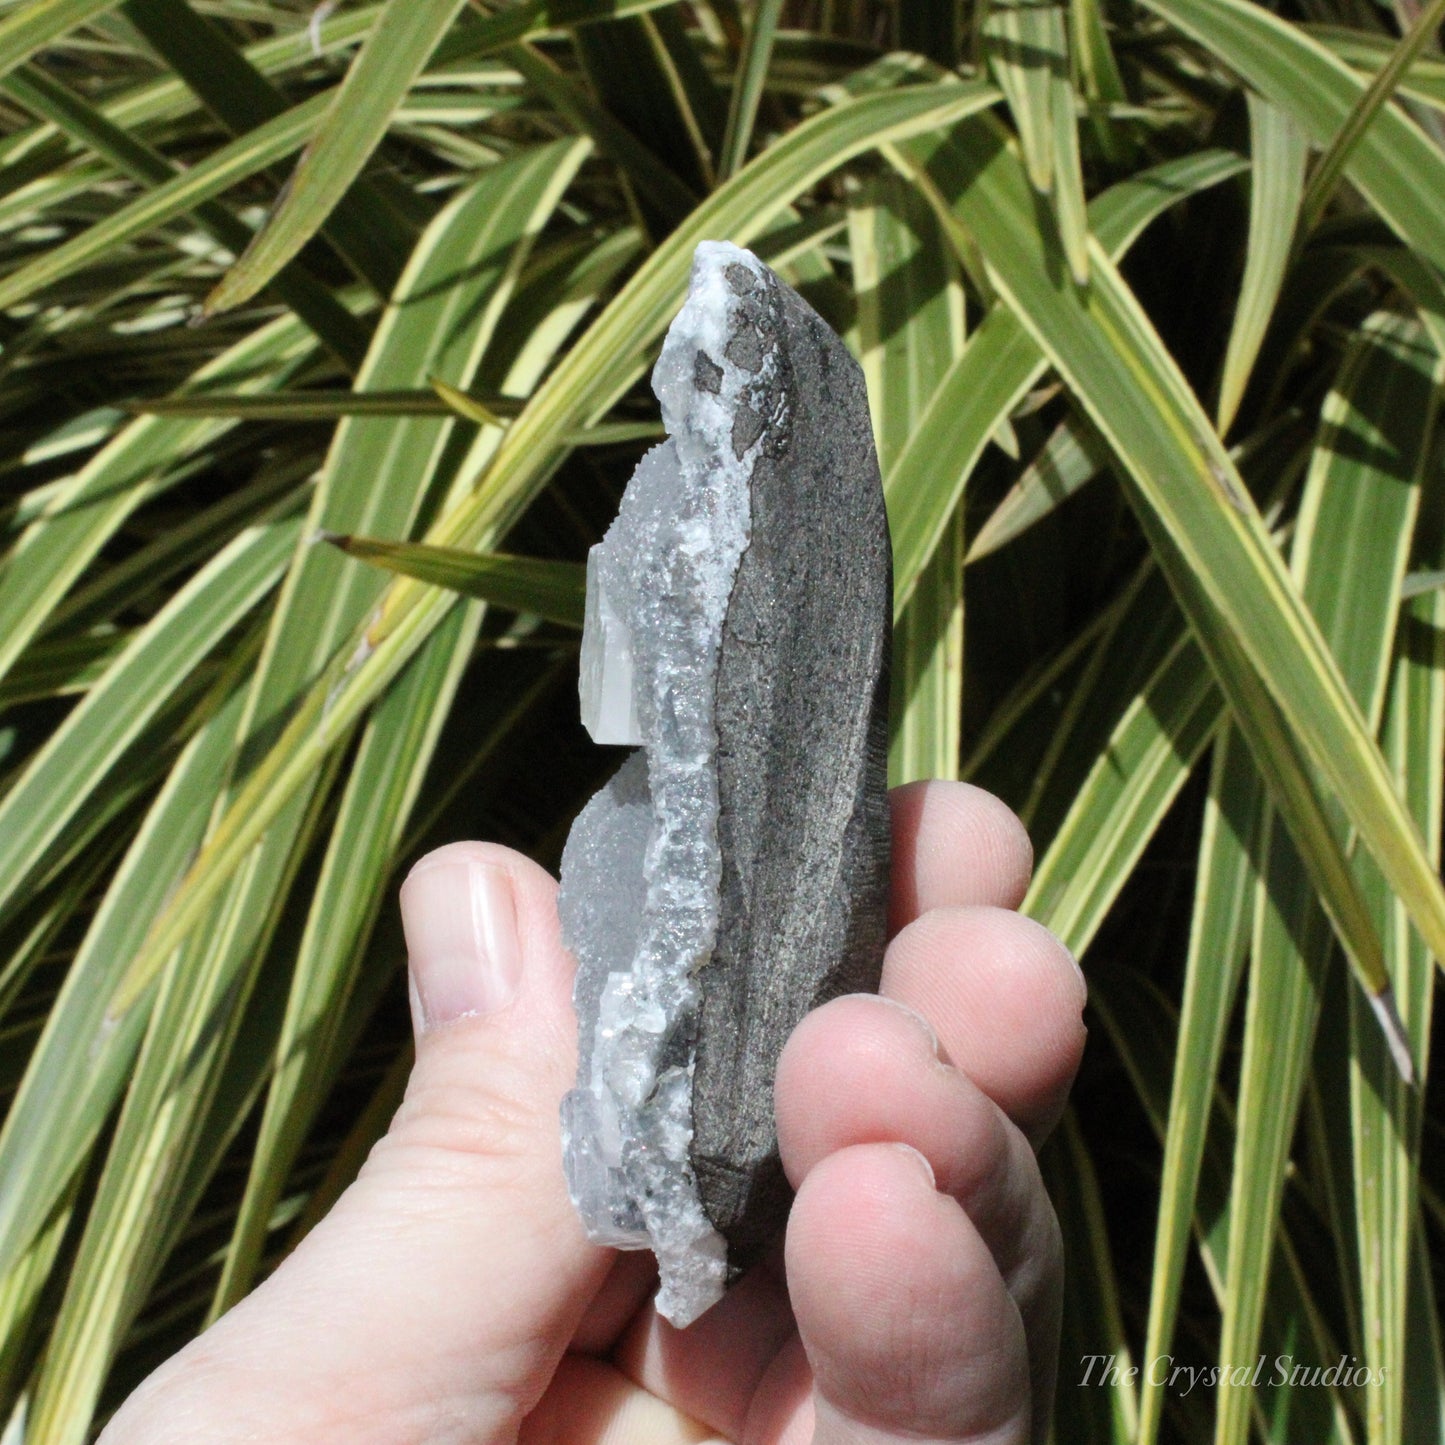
(57, 1114)
(31, 27)
(909, 331)
(38, 929)
(160, 1138)
(142, 459)
(1290, 945)
(1424, 1401)
(324, 405)
(1096, 72)
(1369, 51)
(926, 484)
(184, 192)
(1394, 165)
(539, 585)
(379, 469)
(1071, 456)
(748, 83)
(66, 665)
(366, 227)
(383, 472)
(910, 322)
(356, 117)
(1218, 941)
(465, 404)
(1069, 203)
(318, 404)
(1022, 42)
(1212, 543)
(1424, 31)
(170, 98)
(928, 643)
(1278, 150)
(1386, 1117)
(146, 573)
(651, 81)
(1147, 760)
(396, 749)
(395, 753)
(999, 364)
(79, 754)
(655, 183)
(1028, 48)
(1351, 544)
(1139, 631)
(312, 302)
(1093, 1329)
(366, 843)
(1142, 1026)
(475, 35)
(1419, 282)
(20, 1295)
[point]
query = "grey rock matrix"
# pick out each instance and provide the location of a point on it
(734, 874)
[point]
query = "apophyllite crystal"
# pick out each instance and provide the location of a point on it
(734, 872)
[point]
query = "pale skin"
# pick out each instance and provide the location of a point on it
(451, 1297)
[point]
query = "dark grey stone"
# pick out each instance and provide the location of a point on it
(734, 875)
(801, 710)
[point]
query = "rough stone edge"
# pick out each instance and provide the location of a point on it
(687, 373)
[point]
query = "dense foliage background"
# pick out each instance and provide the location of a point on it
(1151, 297)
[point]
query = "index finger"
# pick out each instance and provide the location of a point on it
(954, 844)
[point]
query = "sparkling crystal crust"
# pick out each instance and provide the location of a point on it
(657, 589)
(734, 872)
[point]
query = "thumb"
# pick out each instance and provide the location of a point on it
(436, 1299)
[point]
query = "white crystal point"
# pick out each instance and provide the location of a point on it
(641, 870)
(609, 711)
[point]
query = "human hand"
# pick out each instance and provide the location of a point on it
(450, 1296)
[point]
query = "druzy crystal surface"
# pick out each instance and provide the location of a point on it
(733, 873)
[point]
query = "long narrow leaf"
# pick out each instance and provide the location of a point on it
(1218, 941)
(355, 119)
(554, 590)
(143, 458)
(1386, 1118)
(79, 755)
(32, 26)
(1071, 456)
(909, 330)
(1214, 546)
(313, 302)
(1000, 363)
(1351, 545)
(1423, 32)
(1147, 760)
(1393, 164)
(218, 172)
(590, 377)
(366, 226)
(748, 84)
(1028, 46)
(394, 755)
(1277, 154)
(57, 1114)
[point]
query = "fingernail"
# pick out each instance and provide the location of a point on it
(922, 1163)
(461, 940)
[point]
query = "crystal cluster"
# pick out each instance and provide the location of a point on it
(733, 873)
